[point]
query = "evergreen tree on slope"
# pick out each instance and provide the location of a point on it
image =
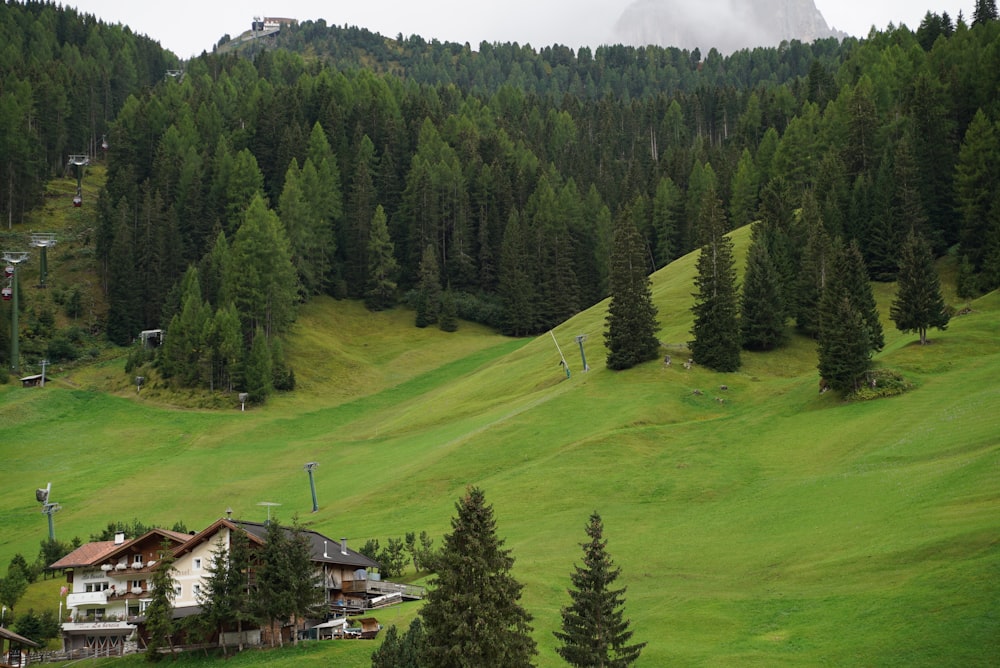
(631, 333)
(594, 630)
(473, 617)
(918, 305)
(716, 328)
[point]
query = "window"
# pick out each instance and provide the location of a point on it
(137, 559)
(177, 591)
(136, 584)
(196, 590)
(197, 564)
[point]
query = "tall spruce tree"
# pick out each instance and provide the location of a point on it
(160, 611)
(817, 266)
(844, 347)
(275, 596)
(716, 328)
(851, 276)
(631, 323)
(305, 586)
(594, 629)
(849, 326)
(428, 295)
(918, 305)
(517, 289)
(762, 318)
(382, 267)
(219, 591)
(473, 617)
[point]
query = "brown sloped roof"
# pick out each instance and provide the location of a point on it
(13, 637)
(86, 555)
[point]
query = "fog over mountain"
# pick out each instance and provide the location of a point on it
(728, 25)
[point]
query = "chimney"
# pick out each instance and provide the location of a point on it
(119, 538)
(343, 546)
(325, 555)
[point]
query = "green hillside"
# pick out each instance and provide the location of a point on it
(763, 524)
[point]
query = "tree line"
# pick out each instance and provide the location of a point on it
(497, 203)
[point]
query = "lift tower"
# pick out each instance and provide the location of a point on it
(10, 293)
(43, 240)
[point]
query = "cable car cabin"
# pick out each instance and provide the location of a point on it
(8, 294)
(77, 201)
(8, 271)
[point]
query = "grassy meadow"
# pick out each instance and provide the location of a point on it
(759, 525)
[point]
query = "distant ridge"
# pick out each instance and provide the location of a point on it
(727, 25)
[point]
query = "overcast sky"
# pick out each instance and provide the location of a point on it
(187, 27)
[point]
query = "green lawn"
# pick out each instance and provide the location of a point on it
(764, 524)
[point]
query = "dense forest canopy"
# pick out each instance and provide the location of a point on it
(269, 171)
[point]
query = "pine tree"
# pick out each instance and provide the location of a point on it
(275, 594)
(977, 178)
(716, 328)
(306, 589)
(667, 203)
(817, 267)
(743, 203)
(762, 318)
(851, 276)
(849, 326)
(844, 346)
(517, 290)
(382, 266)
(473, 617)
(219, 590)
(258, 372)
(984, 11)
(594, 630)
(448, 320)
(261, 279)
(918, 305)
(428, 297)
(398, 651)
(242, 585)
(630, 336)
(160, 611)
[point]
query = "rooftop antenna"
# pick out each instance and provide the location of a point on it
(562, 358)
(269, 504)
(580, 339)
(43, 240)
(10, 293)
(49, 509)
(310, 467)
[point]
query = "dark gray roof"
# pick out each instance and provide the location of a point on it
(321, 548)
